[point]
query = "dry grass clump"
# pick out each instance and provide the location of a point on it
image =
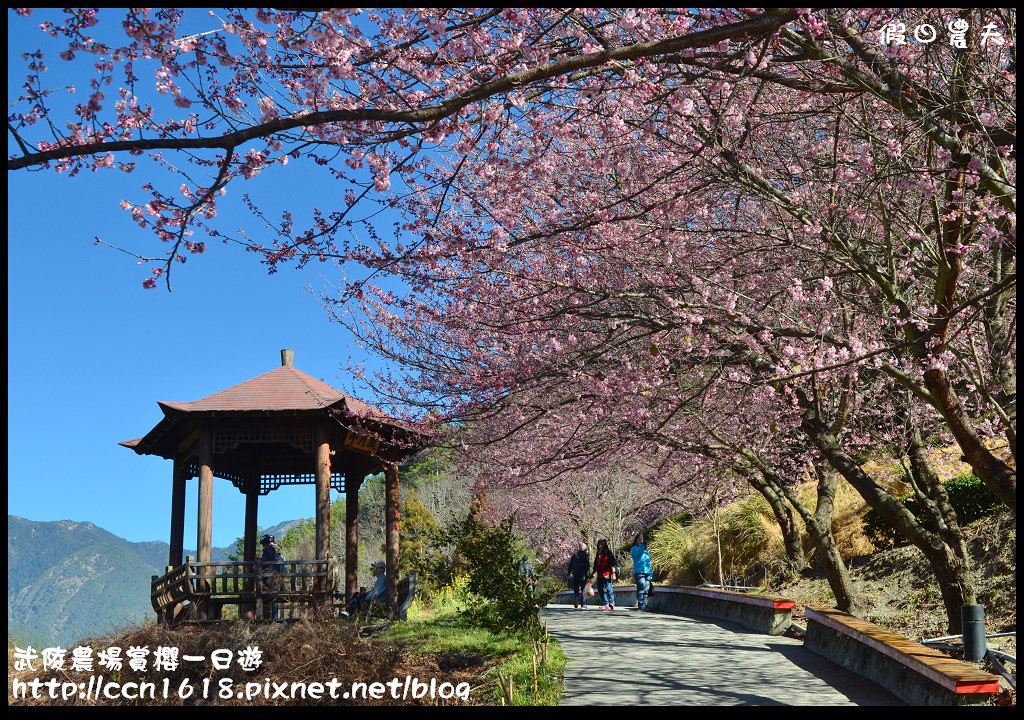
(305, 651)
(848, 509)
(752, 543)
(751, 539)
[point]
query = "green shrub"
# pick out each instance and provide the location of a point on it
(863, 456)
(454, 598)
(972, 499)
(420, 540)
(968, 495)
(489, 557)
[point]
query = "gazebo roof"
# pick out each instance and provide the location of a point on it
(284, 390)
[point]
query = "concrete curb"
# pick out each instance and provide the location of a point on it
(767, 615)
(893, 662)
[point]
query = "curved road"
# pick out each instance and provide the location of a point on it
(625, 657)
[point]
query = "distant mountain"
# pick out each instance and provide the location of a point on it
(67, 580)
(155, 553)
(20, 636)
(279, 530)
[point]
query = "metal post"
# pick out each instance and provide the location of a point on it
(973, 617)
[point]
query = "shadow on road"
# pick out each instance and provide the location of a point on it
(625, 657)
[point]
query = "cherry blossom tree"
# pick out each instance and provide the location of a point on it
(369, 97)
(581, 281)
(741, 242)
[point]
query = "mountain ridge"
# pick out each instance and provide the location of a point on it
(69, 579)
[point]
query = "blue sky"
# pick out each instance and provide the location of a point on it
(90, 352)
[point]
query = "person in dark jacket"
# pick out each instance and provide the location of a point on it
(273, 566)
(606, 570)
(579, 574)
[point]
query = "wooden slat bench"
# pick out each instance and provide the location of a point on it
(768, 615)
(913, 672)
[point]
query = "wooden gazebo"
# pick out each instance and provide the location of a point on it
(281, 428)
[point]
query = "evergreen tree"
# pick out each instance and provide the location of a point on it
(420, 537)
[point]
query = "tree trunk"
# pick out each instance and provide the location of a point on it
(784, 517)
(836, 572)
(951, 572)
(950, 558)
(718, 541)
(1000, 478)
(1000, 335)
(819, 527)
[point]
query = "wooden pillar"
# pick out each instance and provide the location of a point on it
(353, 481)
(391, 538)
(252, 498)
(204, 524)
(176, 551)
(323, 497)
(252, 504)
(323, 515)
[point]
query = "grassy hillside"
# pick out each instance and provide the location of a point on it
(684, 551)
(894, 584)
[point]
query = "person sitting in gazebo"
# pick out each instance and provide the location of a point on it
(374, 595)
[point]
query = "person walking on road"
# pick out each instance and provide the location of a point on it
(579, 575)
(528, 574)
(641, 571)
(606, 569)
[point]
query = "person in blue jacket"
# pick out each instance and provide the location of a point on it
(641, 571)
(376, 594)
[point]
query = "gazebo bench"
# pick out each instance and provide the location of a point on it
(915, 673)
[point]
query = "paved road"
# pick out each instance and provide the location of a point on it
(624, 657)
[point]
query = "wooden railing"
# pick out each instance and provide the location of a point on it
(198, 591)
(170, 591)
